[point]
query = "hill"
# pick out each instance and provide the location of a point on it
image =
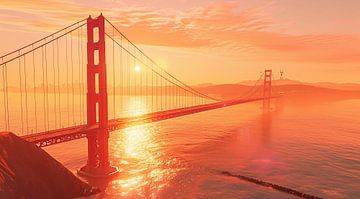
(26, 171)
(333, 85)
(292, 92)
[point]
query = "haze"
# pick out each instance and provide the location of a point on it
(213, 41)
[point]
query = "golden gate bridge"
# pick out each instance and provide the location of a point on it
(87, 80)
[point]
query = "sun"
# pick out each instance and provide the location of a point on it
(137, 68)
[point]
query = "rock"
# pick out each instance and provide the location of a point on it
(27, 171)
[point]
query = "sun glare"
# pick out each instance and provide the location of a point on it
(137, 68)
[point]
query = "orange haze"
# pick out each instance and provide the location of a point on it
(213, 41)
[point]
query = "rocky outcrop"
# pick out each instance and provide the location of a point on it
(27, 171)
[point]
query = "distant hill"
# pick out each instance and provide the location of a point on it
(340, 86)
(294, 91)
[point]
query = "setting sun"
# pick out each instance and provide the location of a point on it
(137, 68)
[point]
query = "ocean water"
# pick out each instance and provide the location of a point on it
(313, 148)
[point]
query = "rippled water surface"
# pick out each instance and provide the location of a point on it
(313, 149)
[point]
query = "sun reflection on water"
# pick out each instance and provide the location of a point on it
(134, 106)
(145, 168)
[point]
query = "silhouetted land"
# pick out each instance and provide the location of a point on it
(293, 93)
(27, 171)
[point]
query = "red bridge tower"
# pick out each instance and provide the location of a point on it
(267, 89)
(98, 164)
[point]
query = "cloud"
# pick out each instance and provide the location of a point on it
(224, 25)
(221, 25)
(197, 27)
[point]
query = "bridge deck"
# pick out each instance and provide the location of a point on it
(76, 132)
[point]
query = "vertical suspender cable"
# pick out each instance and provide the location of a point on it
(47, 90)
(161, 92)
(146, 92)
(129, 75)
(182, 94)
(113, 62)
(4, 95)
(67, 81)
(7, 98)
(54, 86)
(82, 93)
(72, 78)
(21, 101)
(165, 91)
(176, 96)
(34, 84)
(43, 85)
(140, 81)
(58, 79)
(168, 94)
(79, 76)
(122, 76)
(152, 91)
(185, 99)
(134, 65)
(157, 92)
(26, 98)
(180, 97)
(171, 99)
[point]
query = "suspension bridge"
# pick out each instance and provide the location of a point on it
(87, 80)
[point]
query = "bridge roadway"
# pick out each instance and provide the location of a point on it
(47, 138)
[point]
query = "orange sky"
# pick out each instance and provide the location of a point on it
(213, 41)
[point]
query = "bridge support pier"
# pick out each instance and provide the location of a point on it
(98, 164)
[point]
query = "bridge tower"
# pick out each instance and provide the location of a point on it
(98, 164)
(267, 89)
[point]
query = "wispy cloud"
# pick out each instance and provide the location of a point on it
(217, 25)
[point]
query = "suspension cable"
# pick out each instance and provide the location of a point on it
(32, 44)
(160, 74)
(251, 89)
(158, 65)
(40, 46)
